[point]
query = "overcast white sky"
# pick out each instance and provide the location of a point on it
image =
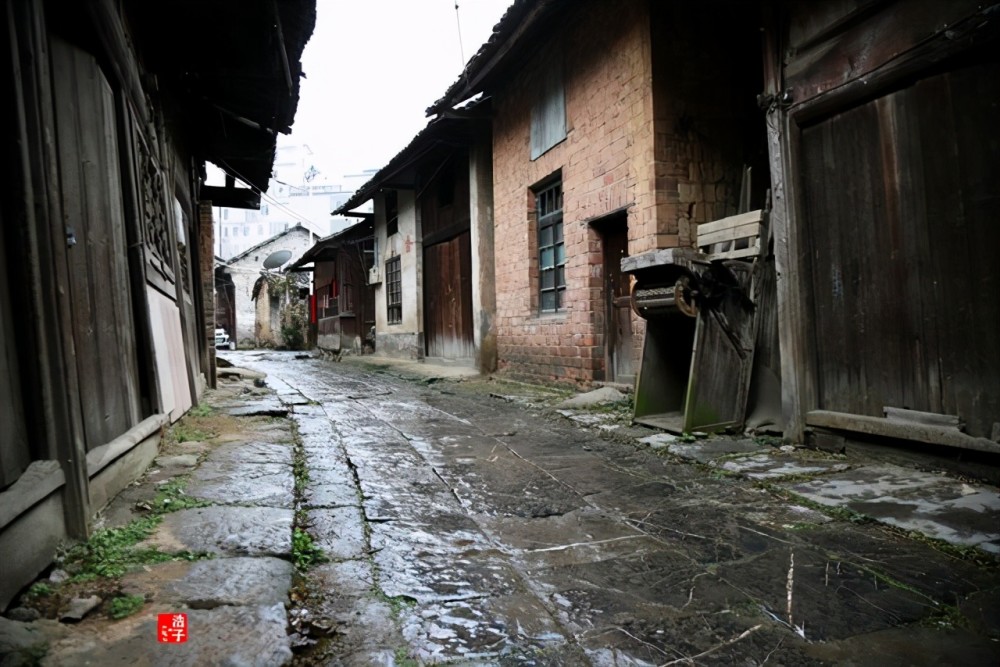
(372, 67)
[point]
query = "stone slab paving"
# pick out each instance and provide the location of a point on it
(470, 530)
(228, 635)
(339, 532)
(774, 466)
(226, 531)
(705, 451)
(930, 503)
(235, 483)
(213, 583)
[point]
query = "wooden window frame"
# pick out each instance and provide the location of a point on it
(551, 247)
(394, 290)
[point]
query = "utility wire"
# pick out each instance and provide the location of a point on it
(461, 49)
(271, 200)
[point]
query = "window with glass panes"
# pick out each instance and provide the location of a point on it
(394, 290)
(551, 249)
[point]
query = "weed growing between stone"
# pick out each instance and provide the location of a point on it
(305, 553)
(39, 589)
(170, 497)
(203, 410)
(125, 605)
(402, 658)
(111, 552)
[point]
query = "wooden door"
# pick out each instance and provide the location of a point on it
(14, 452)
(448, 298)
(618, 332)
(900, 199)
(89, 173)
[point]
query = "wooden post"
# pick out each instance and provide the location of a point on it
(797, 373)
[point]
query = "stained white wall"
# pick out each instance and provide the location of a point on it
(246, 269)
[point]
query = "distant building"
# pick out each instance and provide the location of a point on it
(297, 194)
(236, 310)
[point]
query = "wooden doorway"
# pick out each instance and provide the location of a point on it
(448, 298)
(103, 327)
(618, 327)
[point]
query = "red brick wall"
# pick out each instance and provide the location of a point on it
(708, 71)
(660, 116)
(606, 164)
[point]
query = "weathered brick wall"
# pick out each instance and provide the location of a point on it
(707, 68)
(661, 119)
(606, 162)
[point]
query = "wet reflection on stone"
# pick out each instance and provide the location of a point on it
(475, 530)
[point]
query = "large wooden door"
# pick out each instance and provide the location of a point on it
(619, 309)
(448, 298)
(14, 452)
(89, 172)
(900, 213)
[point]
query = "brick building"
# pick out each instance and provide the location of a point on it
(617, 128)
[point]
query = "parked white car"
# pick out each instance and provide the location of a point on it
(222, 340)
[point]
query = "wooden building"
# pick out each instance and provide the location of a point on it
(343, 307)
(868, 132)
(885, 159)
(433, 244)
(106, 234)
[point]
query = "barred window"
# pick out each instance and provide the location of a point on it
(394, 290)
(551, 249)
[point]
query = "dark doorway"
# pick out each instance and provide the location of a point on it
(618, 330)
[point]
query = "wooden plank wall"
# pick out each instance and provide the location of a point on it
(103, 329)
(14, 452)
(900, 201)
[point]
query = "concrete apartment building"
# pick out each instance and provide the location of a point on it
(297, 194)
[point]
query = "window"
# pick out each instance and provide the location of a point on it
(548, 115)
(391, 212)
(346, 290)
(394, 290)
(246, 230)
(551, 249)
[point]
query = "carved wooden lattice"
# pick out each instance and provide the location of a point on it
(155, 215)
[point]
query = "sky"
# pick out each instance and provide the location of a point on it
(371, 69)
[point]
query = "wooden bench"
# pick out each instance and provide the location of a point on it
(735, 237)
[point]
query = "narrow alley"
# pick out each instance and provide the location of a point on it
(464, 523)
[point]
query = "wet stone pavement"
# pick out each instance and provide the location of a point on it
(468, 523)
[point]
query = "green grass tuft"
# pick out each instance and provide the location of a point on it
(125, 605)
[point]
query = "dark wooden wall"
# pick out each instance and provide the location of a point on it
(102, 326)
(14, 452)
(901, 211)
